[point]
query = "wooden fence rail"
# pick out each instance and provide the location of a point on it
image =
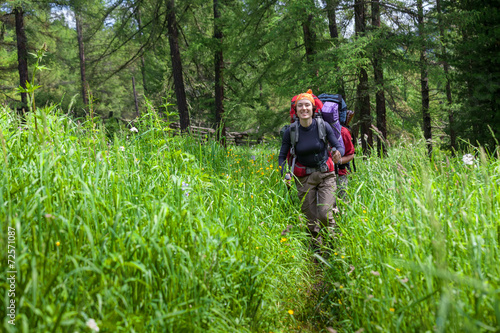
(236, 138)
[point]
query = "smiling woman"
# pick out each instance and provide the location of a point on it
(313, 167)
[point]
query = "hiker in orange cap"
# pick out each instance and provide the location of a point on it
(305, 146)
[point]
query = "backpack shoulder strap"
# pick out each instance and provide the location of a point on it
(294, 136)
(321, 129)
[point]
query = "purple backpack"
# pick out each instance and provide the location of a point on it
(330, 114)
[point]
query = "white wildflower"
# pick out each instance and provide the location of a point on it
(92, 325)
(133, 129)
(122, 148)
(468, 159)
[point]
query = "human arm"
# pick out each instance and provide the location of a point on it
(334, 142)
(349, 147)
(285, 148)
(346, 159)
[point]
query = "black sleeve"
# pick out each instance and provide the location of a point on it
(285, 147)
(330, 135)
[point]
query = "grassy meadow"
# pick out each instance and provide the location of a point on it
(149, 232)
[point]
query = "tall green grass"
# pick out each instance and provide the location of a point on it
(421, 245)
(142, 232)
(150, 232)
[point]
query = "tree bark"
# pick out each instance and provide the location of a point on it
(446, 67)
(180, 92)
(362, 93)
(331, 7)
(22, 53)
(81, 49)
(309, 39)
(219, 70)
(424, 80)
(143, 62)
(378, 73)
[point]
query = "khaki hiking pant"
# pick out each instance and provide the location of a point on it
(317, 194)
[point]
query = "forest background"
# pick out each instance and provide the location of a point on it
(412, 69)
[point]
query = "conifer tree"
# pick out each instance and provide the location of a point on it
(180, 93)
(219, 71)
(424, 79)
(378, 73)
(22, 52)
(362, 93)
(446, 69)
(474, 53)
(81, 53)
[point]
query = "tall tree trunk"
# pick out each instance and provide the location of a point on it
(309, 38)
(331, 8)
(362, 94)
(143, 62)
(180, 92)
(79, 34)
(379, 82)
(424, 79)
(446, 67)
(219, 69)
(22, 53)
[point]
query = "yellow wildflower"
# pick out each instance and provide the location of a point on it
(290, 312)
(57, 243)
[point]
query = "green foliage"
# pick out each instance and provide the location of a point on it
(265, 62)
(419, 246)
(475, 55)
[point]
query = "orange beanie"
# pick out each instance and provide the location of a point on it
(307, 95)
